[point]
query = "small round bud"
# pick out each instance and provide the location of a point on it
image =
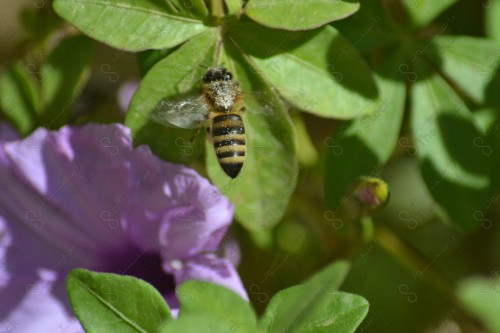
(368, 195)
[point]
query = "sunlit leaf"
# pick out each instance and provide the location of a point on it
(200, 313)
(454, 167)
(115, 303)
(363, 146)
(129, 24)
(316, 305)
(200, 322)
(178, 73)
(299, 15)
(318, 71)
(476, 73)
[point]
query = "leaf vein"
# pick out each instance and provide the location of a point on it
(139, 9)
(112, 308)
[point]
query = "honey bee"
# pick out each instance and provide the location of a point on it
(220, 107)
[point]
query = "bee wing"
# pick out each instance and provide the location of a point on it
(185, 113)
(262, 103)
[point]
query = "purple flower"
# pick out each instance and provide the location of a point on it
(125, 94)
(83, 197)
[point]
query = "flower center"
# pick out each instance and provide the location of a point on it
(145, 266)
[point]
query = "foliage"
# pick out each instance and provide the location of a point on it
(337, 92)
(105, 302)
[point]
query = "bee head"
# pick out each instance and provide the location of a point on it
(217, 74)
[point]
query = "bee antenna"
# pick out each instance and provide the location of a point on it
(204, 66)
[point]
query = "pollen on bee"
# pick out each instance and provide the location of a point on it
(223, 93)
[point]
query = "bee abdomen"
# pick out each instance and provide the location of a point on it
(228, 135)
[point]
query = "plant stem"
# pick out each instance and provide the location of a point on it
(425, 269)
(367, 228)
(217, 8)
(218, 50)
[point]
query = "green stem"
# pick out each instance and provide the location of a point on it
(427, 271)
(218, 50)
(217, 8)
(367, 228)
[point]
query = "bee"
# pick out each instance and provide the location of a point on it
(221, 107)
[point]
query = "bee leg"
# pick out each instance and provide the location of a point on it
(195, 134)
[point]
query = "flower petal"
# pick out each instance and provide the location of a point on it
(49, 207)
(7, 133)
(23, 255)
(5, 243)
(84, 197)
(174, 203)
(125, 94)
(210, 268)
(39, 311)
(75, 180)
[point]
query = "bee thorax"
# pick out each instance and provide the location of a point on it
(223, 94)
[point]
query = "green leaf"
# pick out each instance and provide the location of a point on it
(481, 296)
(115, 303)
(423, 12)
(371, 26)
(492, 19)
(454, 168)
(200, 322)
(318, 71)
(362, 147)
(191, 8)
(299, 15)
(306, 152)
(229, 313)
(63, 75)
(129, 24)
(39, 22)
(268, 178)
(147, 59)
(178, 73)
(485, 118)
(316, 305)
(476, 73)
(18, 98)
(494, 148)
(488, 120)
(233, 6)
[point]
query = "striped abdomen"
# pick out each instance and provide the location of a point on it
(228, 136)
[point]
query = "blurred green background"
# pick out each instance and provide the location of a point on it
(408, 269)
